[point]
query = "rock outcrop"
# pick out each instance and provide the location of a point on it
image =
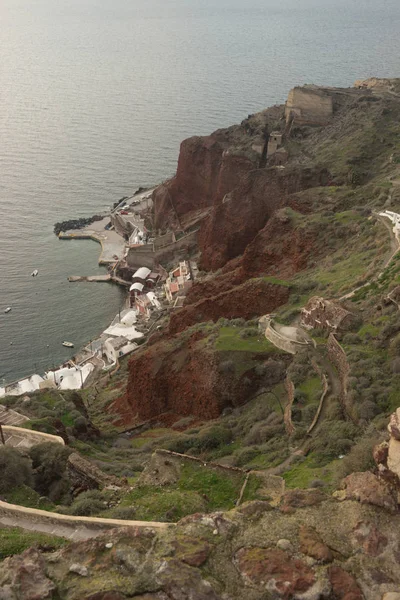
(184, 376)
(387, 454)
(252, 298)
(393, 458)
(234, 223)
(325, 550)
(84, 475)
(209, 167)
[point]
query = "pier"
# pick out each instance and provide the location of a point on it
(109, 277)
(90, 278)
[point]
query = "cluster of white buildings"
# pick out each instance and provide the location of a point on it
(146, 293)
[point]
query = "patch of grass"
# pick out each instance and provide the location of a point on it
(253, 484)
(302, 474)
(312, 388)
(162, 503)
(14, 541)
(229, 340)
(26, 496)
(348, 216)
(276, 281)
(368, 330)
(222, 490)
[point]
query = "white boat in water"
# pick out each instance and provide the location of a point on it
(68, 344)
(34, 273)
(8, 309)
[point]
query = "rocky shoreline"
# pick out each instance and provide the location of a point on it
(76, 223)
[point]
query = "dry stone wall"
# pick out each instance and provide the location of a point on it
(289, 386)
(337, 356)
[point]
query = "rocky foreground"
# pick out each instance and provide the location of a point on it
(309, 546)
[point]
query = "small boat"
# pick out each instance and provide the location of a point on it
(68, 344)
(8, 309)
(34, 273)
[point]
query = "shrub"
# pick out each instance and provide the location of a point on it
(228, 366)
(80, 424)
(49, 462)
(359, 458)
(180, 444)
(243, 457)
(123, 512)
(88, 503)
(15, 469)
(334, 438)
(260, 433)
(86, 507)
(368, 410)
(249, 332)
(351, 338)
(212, 438)
(317, 483)
(260, 370)
(299, 395)
(238, 322)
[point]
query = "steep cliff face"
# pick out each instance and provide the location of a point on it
(253, 298)
(279, 249)
(183, 376)
(209, 167)
(233, 224)
(195, 183)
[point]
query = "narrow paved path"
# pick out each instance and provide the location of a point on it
(72, 528)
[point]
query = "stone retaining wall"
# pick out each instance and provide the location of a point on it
(35, 515)
(35, 437)
(289, 386)
(337, 356)
(281, 342)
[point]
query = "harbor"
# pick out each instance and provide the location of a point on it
(126, 246)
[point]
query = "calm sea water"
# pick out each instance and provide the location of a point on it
(95, 97)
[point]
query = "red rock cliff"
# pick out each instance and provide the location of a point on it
(206, 172)
(183, 376)
(253, 298)
(234, 223)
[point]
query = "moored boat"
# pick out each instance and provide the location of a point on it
(7, 310)
(68, 344)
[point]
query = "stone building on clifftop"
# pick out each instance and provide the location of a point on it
(326, 314)
(309, 105)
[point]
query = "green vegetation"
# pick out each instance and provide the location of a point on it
(312, 389)
(14, 541)
(15, 469)
(198, 489)
(26, 496)
(230, 340)
(305, 474)
(222, 490)
(162, 504)
(276, 281)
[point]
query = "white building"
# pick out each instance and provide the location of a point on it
(115, 348)
(71, 377)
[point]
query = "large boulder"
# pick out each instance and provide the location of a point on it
(24, 577)
(368, 488)
(393, 459)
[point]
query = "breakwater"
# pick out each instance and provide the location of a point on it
(76, 223)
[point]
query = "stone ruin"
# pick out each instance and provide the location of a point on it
(326, 314)
(84, 475)
(309, 105)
